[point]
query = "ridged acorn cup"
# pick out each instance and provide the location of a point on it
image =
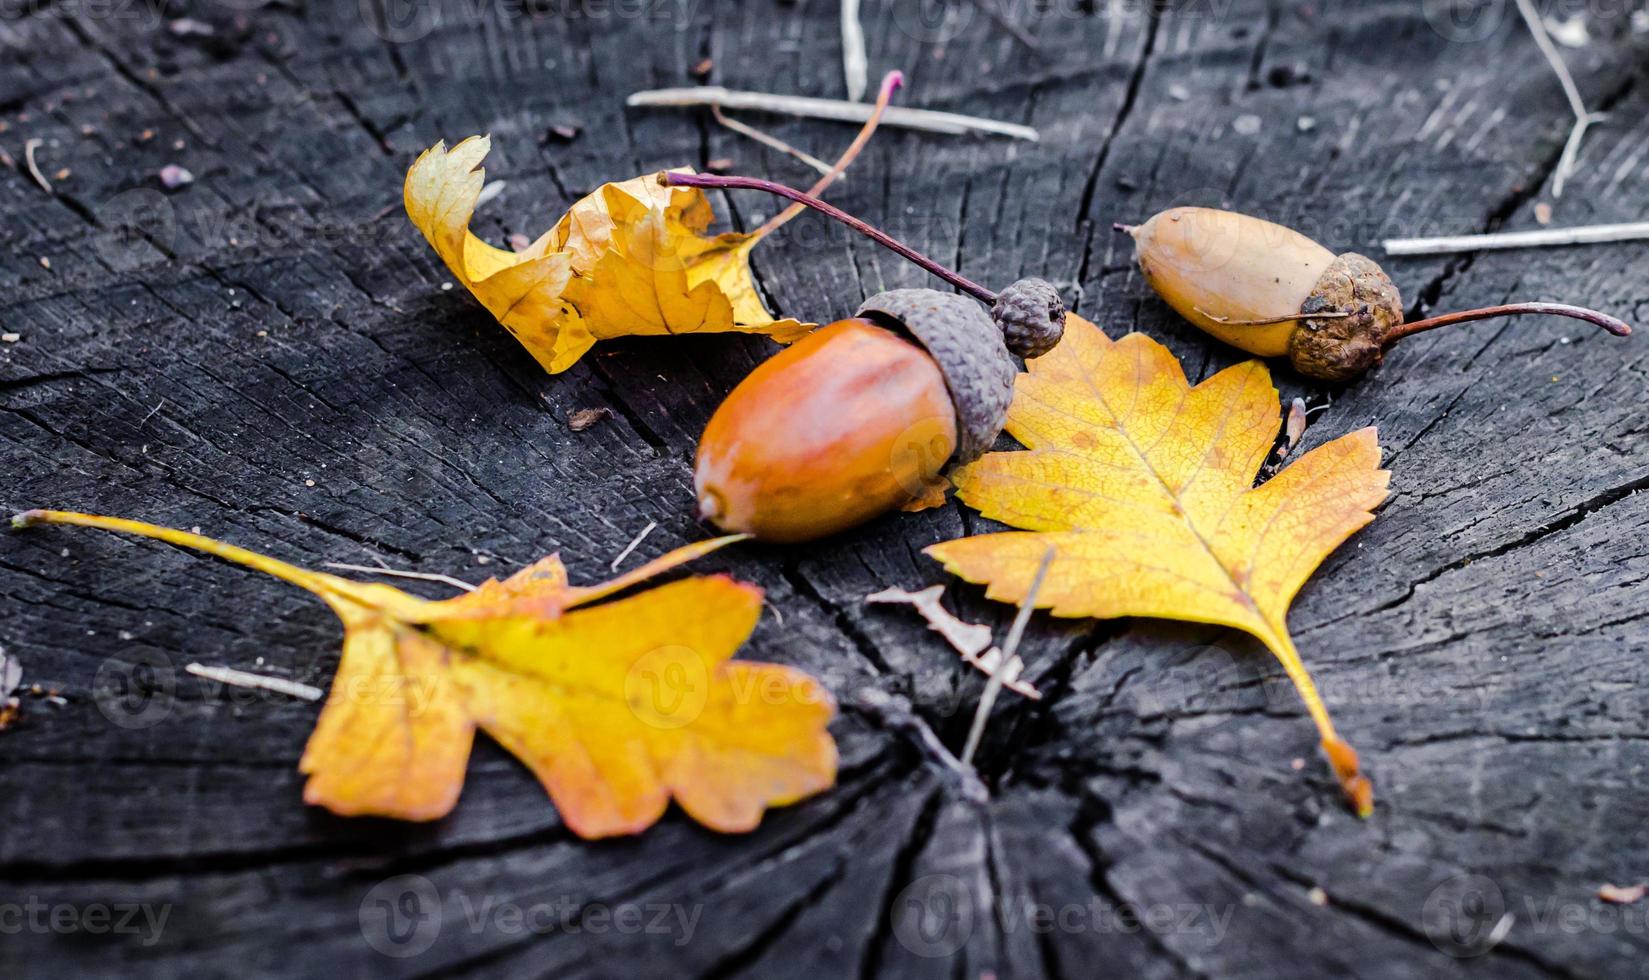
(968, 347)
(1364, 308)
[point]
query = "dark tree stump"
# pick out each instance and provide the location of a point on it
(278, 323)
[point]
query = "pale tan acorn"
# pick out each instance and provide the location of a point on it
(1274, 292)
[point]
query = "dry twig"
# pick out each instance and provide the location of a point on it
(855, 65)
(769, 140)
(1585, 235)
(241, 678)
(634, 542)
(971, 640)
(1010, 653)
(1583, 119)
(399, 573)
(900, 117)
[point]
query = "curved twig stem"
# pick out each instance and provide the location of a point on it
(769, 140)
(890, 84)
(1619, 328)
(675, 179)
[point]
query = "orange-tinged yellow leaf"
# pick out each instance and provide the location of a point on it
(617, 708)
(629, 258)
(1144, 485)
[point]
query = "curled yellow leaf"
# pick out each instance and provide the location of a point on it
(630, 258)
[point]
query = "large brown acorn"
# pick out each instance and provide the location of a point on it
(1274, 292)
(865, 414)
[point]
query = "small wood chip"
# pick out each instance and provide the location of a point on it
(190, 27)
(1622, 895)
(10, 338)
(703, 68)
(719, 165)
(490, 191)
(585, 417)
(1317, 896)
(29, 146)
(1295, 427)
(635, 542)
(11, 674)
(173, 176)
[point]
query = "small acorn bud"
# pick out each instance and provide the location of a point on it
(1272, 291)
(1031, 314)
(857, 418)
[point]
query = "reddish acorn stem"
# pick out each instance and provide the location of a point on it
(869, 231)
(890, 84)
(1615, 326)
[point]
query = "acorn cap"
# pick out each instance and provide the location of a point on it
(1031, 314)
(967, 345)
(1366, 305)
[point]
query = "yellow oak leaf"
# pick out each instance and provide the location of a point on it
(1144, 486)
(629, 258)
(616, 708)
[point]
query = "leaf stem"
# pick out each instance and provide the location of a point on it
(1342, 758)
(301, 577)
(802, 199)
(1615, 326)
